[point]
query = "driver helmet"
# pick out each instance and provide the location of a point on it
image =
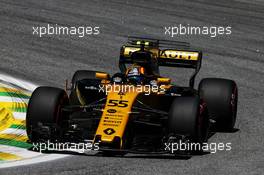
(135, 74)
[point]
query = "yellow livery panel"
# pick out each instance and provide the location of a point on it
(129, 50)
(169, 54)
(115, 115)
(179, 55)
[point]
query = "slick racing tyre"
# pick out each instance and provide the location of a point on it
(221, 97)
(44, 108)
(187, 117)
(81, 75)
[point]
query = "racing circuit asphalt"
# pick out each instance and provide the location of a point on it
(50, 60)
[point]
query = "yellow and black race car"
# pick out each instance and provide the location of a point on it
(135, 110)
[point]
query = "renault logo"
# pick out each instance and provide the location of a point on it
(109, 131)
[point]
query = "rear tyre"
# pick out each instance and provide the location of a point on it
(188, 118)
(44, 107)
(82, 74)
(221, 97)
(79, 75)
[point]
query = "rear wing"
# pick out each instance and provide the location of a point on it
(180, 58)
(165, 53)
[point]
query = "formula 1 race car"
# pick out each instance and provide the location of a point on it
(135, 110)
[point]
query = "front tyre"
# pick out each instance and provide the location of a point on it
(44, 108)
(189, 117)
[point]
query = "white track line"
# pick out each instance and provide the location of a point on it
(18, 151)
(20, 132)
(21, 83)
(13, 99)
(19, 115)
